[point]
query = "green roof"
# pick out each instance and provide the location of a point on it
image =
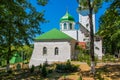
(54, 34)
(67, 17)
(15, 59)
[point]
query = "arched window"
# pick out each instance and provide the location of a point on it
(44, 50)
(65, 26)
(56, 50)
(87, 25)
(70, 26)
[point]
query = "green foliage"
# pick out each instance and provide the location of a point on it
(25, 50)
(3, 62)
(32, 69)
(88, 62)
(96, 4)
(44, 71)
(46, 63)
(40, 66)
(80, 78)
(109, 28)
(18, 67)
(50, 71)
(10, 71)
(83, 56)
(42, 2)
(108, 58)
(66, 68)
(68, 64)
(19, 24)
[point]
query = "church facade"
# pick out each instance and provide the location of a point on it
(52, 46)
(59, 45)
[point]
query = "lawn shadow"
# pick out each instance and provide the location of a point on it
(60, 76)
(111, 71)
(27, 75)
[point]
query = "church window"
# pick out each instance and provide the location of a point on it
(44, 50)
(70, 26)
(56, 51)
(84, 39)
(60, 24)
(87, 25)
(65, 26)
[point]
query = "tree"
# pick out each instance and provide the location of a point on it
(92, 6)
(25, 51)
(19, 23)
(110, 28)
(44, 71)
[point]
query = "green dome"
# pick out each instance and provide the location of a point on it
(67, 17)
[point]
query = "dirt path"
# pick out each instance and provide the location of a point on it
(84, 67)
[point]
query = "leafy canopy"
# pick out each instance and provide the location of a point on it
(19, 23)
(110, 27)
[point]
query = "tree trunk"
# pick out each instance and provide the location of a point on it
(8, 58)
(91, 39)
(8, 65)
(113, 48)
(9, 50)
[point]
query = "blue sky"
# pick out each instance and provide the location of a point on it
(55, 9)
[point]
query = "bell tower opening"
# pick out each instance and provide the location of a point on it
(67, 22)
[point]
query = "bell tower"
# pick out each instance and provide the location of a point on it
(83, 13)
(84, 19)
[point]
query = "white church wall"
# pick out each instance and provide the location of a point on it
(73, 44)
(72, 33)
(81, 36)
(38, 58)
(98, 48)
(75, 34)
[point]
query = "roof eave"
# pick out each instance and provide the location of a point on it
(49, 40)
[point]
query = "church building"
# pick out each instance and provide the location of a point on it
(59, 45)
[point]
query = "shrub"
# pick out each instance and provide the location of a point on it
(89, 61)
(46, 63)
(67, 67)
(40, 66)
(83, 57)
(9, 71)
(50, 70)
(74, 68)
(80, 78)
(44, 71)
(32, 69)
(108, 57)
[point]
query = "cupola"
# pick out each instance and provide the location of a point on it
(67, 22)
(67, 17)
